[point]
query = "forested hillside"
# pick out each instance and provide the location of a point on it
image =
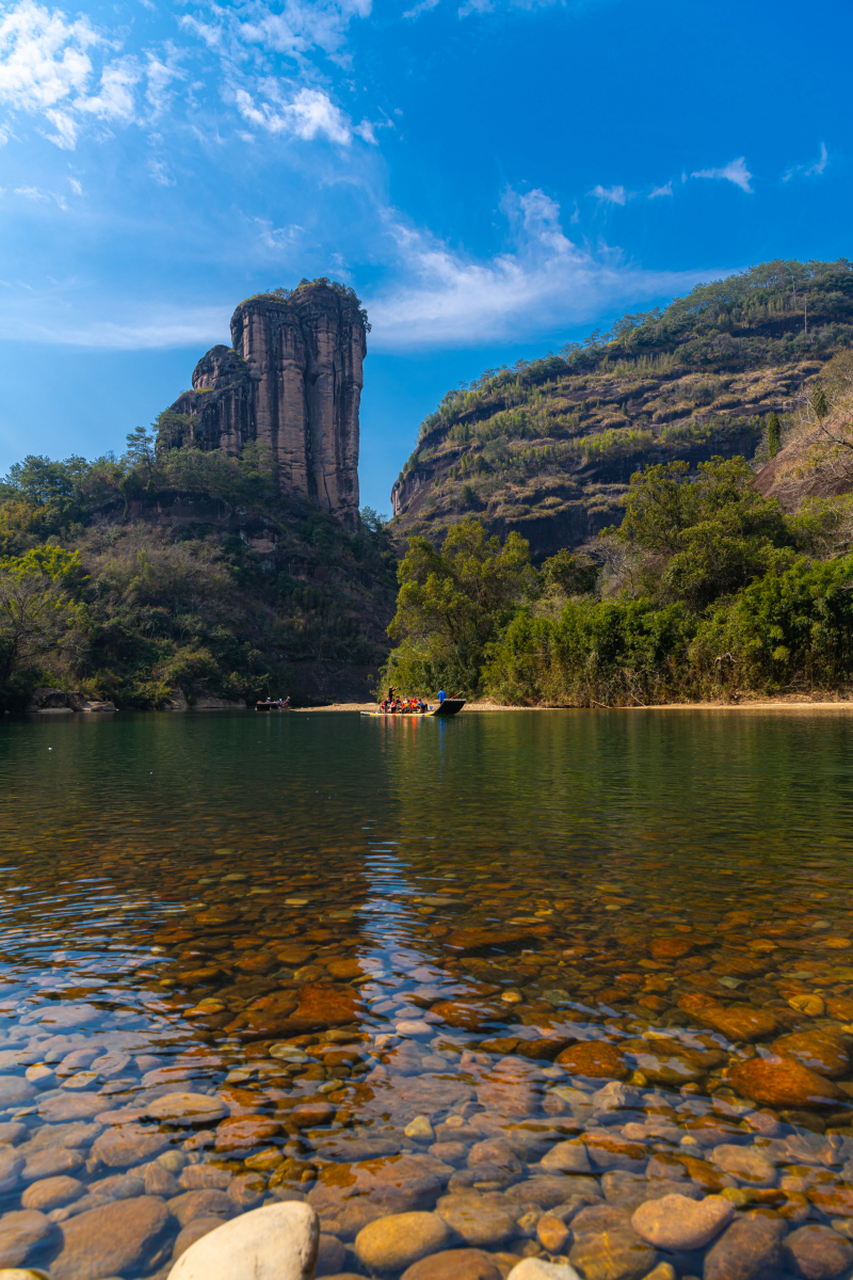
(156, 581)
(547, 447)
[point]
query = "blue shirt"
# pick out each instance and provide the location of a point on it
(441, 695)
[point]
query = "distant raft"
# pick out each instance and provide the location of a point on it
(450, 707)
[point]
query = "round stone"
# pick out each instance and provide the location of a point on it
(567, 1157)
(747, 1164)
(595, 1058)
(188, 1108)
(51, 1162)
(820, 1052)
(14, 1091)
(394, 1243)
(128, 1144)
(244, 1133)
(454, 1264)
(51, 1193)
(112, 1240)
(277, 1240)
(477, 1221)
(678, 1223)
(784, 1082)
(11, 1165)
(19, 1231)
(747, 1249)
(818, 1252)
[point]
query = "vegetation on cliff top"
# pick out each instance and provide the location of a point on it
(707, 589)
(147, 578)
(549, 445)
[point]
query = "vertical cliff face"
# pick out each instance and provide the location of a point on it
(292, 380)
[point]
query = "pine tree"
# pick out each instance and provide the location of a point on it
(819, 401)
(774, 435)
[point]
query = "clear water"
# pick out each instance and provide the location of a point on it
(331, 925)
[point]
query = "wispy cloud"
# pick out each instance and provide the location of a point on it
(40, 196)
(665, 190)
(424, 7)
(809, 170)
(610, 195)
(735, 171)
(446, 298)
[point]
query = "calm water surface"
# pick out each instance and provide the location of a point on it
(524, 971)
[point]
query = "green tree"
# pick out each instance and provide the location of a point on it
(452, 602)
(819, 402)
(774, 435)
(41, 623)
(141, 451)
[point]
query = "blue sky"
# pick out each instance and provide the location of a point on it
(494, 177)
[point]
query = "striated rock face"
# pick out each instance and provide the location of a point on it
(292, 381)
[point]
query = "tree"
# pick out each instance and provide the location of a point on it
(704, 538)
(141, 450)
(819, 402)
(40, 620)
(774, 435)
(452, 602)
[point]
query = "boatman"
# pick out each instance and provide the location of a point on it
(441, 696)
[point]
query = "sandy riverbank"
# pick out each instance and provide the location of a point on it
(805, 702)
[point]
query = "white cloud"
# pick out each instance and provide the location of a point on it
(46, 69)
(810, 170)
(43, 57)
(309, 114)
(446, 298)
(42, 197)
(114, 100)
(75, 186)
(424, 7)
(610, 195)
(293, 28)
(665, 190)
(735, 171)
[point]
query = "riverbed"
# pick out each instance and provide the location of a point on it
(522, 975)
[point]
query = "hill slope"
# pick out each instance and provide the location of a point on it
(547, 448)
(162, 581)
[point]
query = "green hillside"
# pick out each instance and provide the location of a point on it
(547, 447)
(158, 581)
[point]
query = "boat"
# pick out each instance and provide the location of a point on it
(267, 704)
(450, 707)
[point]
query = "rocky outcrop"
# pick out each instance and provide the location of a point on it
(58, 702)
(292, 381)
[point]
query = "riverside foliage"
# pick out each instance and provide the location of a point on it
(147, 579)
(705, 590)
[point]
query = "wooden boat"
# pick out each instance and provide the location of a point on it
(269, 705)
(450, 707)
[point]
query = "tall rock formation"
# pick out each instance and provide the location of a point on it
(291, 380)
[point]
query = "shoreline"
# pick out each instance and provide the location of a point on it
(792, 703)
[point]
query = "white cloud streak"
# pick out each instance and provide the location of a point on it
(665, 190)
(735, 171)
(447, 299)
(809, 170)
(610, 195)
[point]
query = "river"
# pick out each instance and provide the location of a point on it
(522, 974)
